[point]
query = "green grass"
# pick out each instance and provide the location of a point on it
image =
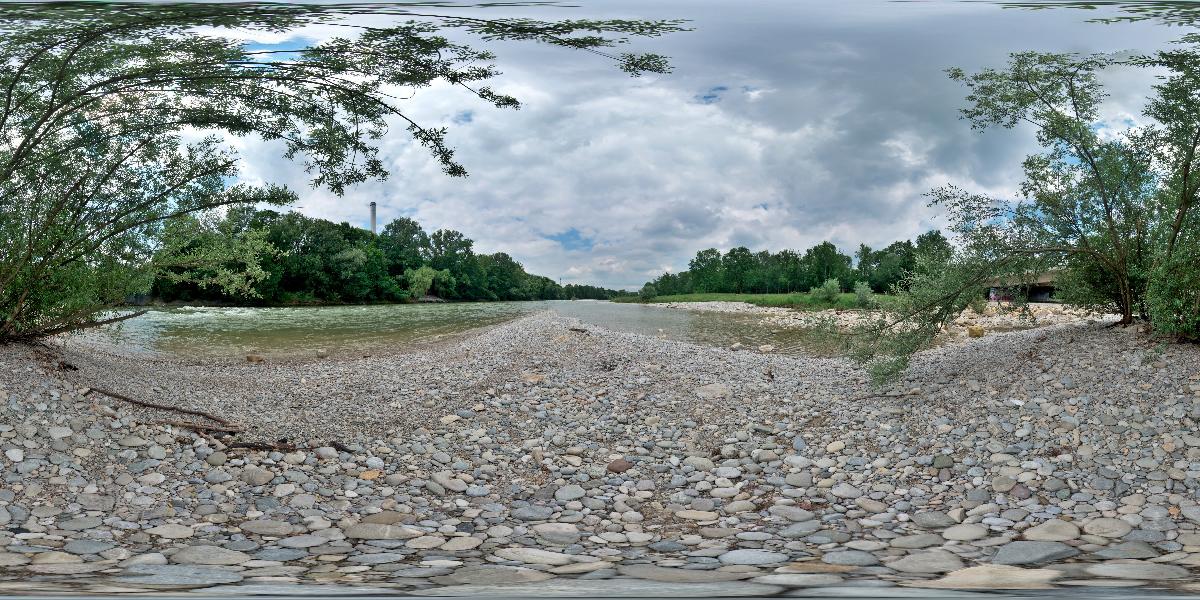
(797, 300)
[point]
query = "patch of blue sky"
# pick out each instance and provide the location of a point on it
(712, 95)
(464, 117)
(572, 239)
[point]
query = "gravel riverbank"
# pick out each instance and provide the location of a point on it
(543, 450)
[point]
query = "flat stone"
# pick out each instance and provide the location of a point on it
(534, 556)
(931, 561)
(920, 540)
(378, 531)
(853, 558)
(697, 515)
(379, 558)
(87, 546)
(267, 527)
(12, 559)
(1127, 550)
(965, 533)
(933, 520)
(172, 531)
(1109, 528)
(601, 588)
(752, 557)
(533, 513)
(792, 513)
(209, 555)
(303, 541)
(176, 575)
(993, 577)
(560, 534)
(493, 575)
(1137, 569)
(460, 544)
(670, 575)
(568, 493)
(1054, 530)
(68, 569)
(1031, 553)
(799, 579)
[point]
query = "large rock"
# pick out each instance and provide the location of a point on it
(752, 557)
(267, 527)
(993, 577)
(933, 520)
(1137, 569)
(600, 588)
(853, 558)
(1109, 528)
(559, 534)
(1032, 553)
(209, 555)
(932, 561)
(172, 531)
(534, 556)
(176, 575)
(670, 575)
(1054, 530)
(491, 574)
(378, 531)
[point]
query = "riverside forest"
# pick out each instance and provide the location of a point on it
(980, 377)
(292, 259)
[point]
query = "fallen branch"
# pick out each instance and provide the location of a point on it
(187, 411)
(264, 446)
(871, 396)
(201, 428)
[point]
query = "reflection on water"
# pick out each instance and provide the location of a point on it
(345, 330)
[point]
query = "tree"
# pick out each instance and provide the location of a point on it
(822, 263)
(405, 245)
(94, 104)
(1115, 214)
(706, 271)
(648, 292)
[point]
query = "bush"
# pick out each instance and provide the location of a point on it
(1173, 296)
(863, 296)
(828, 292)
(648, 292)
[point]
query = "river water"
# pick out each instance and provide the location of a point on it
(216, 332)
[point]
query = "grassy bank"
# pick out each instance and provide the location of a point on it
(797, 300)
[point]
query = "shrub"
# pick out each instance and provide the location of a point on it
(863, 296)
(648, 292)
(1173, 296)
(828, 292)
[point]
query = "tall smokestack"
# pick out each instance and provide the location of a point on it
(372, 217)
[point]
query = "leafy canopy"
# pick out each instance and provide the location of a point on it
(116, 120)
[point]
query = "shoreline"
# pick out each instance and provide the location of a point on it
(531, 454)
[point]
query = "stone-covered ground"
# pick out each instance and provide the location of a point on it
(545, 456)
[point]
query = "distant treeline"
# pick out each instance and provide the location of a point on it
(313, 261)
(741, 271)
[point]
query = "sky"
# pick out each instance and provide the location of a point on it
(783, 124)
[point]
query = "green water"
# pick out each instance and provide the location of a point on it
(217, 332)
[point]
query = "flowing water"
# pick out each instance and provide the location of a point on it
(344, 330)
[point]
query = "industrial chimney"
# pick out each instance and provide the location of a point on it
(373, 217)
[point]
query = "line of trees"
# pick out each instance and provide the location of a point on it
(739, 270)
(302, 260)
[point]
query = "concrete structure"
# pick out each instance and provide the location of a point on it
(373, 218)
(1039, 289)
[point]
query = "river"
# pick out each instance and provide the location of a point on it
(217, 332)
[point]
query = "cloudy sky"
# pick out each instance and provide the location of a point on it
(784, 123)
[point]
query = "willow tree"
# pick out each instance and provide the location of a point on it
(1112, 210)
(116, 120)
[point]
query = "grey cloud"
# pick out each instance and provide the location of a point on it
(837, 116)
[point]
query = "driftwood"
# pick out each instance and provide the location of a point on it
(870, 396)
(578, 330)
(198, 427)
(226, 428)
(186, 411)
